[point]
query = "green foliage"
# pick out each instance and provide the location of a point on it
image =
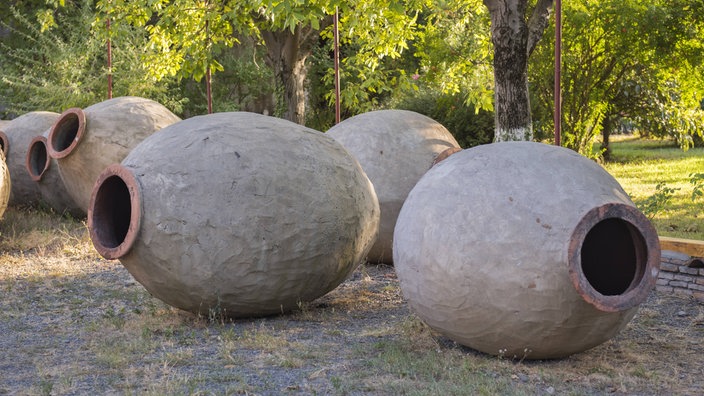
(698, 140)
(697, 182)
(45, 14)
(624, 62)
(245, 84)
(664, 195)
(290, 14)
(321, 108)
(470, 126)
(388, 51)
(640, 165)
(659, 201)
(47, 70)
(361, 90)
(66, 66)
(674, 112)
(455, 51)
(185, 36)
(374, 37)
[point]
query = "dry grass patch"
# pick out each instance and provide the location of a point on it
(39, 232)
(73, 323)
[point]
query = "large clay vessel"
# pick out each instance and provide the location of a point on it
(15, 138)
(395, 148)
(524, 250)
(4, 184)
(44, 171)
(85, 141)
(239, 213)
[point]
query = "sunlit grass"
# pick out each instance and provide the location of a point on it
(32, 230)
(639, 165)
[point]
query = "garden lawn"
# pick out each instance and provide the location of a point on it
(640, 164)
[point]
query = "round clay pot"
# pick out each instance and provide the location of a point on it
(235, 213)
(86, 141)
(395, 148)
(44, 171)
(524, 250)
(15, 138)
(4, 184)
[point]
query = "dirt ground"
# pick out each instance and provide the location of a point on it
(72, 323)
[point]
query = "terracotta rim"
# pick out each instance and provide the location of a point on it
(115, 212)
(446, 153)
(641, 244)
(37, 160)
(5, 143)
(67, 132)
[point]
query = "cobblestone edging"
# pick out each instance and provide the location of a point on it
(681, 274)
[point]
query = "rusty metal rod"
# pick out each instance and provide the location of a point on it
(109, 60)
(208, 86)
(558, 65)
(336, 33)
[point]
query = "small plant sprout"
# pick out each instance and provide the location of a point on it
(217, 314)
(526, 352)
(657, 202)
(697, 181)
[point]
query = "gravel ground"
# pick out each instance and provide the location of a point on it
(72, 323)
(100, 330)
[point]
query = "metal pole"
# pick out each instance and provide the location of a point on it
(208, 87)
(109, 61)
(558, 66)
(336, 34)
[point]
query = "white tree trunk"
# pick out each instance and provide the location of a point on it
(514, 38)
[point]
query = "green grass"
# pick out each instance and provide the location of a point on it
(640, 165)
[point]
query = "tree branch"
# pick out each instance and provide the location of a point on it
(309, 35)
(537, 23)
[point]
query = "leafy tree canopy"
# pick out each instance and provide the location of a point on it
(625, 62)
(65, 66)
(187, 35)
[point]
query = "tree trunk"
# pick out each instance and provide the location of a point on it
(606, 125)
(286, 55)
(514, 39)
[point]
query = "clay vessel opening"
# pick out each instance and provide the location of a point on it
(614, 257)
(115, 211)
(445, 154)
(37, 161)
(66, 133)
